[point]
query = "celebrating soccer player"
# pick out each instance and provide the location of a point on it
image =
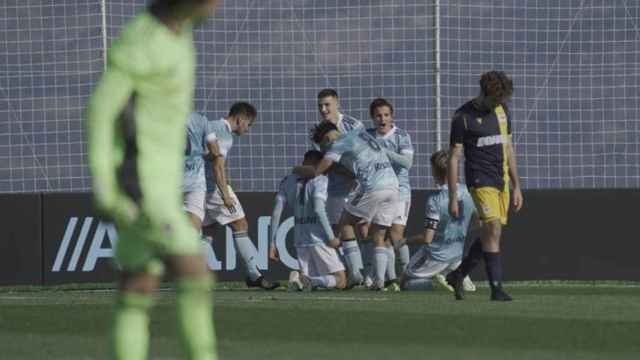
(396, 143)
(200, 141)
(341, 181)
(482, 128)
(222, 204)
(136, 124)
(377, 194)
(320, 266)
(442, 242)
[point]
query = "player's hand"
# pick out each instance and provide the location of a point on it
(454, 211)
(333, 243)
(518, 200)
(273, 253)
(228, 202)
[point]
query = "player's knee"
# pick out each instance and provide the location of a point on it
(396, 233)
(181, 266)
(139, 283)
(493, 229)
(341, 279)
(240, 225)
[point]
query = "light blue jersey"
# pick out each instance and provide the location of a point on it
(197, 131)
(398, 141)
(364, 157)
(448, 242)
(220, 130)
(307, 197)
(340, 185)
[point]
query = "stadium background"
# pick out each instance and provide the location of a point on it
(575, 66)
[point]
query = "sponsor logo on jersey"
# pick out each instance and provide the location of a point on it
(491, 140)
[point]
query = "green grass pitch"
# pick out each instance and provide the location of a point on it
(547, 321)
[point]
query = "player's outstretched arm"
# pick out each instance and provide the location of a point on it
(452, 178)
(308, 171)
(109, 100)
(320, 209)
(278, 207)
(518, 200)
(402, 160)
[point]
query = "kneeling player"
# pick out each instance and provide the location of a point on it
(314, 240)
(443, 237)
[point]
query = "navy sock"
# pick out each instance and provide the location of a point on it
(493, 263)
(472, 259)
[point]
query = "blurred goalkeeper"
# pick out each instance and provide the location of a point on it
(136, 125)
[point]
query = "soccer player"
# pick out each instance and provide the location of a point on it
(374, 203)
(442, 242)
(482, 128)
(136, 125)
(222, 204)
(341, 181)
(315, 243)
(200, 141)
(396, 143)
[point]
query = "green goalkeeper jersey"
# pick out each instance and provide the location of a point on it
(137, 117)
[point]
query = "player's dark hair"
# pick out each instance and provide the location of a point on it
(379, 102)
(172, 4)
(313, 156)
(496, 84)
(440, 164)
(243, 109)
(327, 92)
(319, 131)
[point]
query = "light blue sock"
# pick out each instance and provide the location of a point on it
(367, 258)
(404, 256)
(353, 257)
(327, 281)
(391, 263)
(418, 285)
(248, 253)
(381, 256)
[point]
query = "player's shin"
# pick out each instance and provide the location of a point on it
(404, 256)
(195, 317)
(353, 258)
(391, 264)
(130, 329)
(472, 259)
(381, 259)
(247, 252)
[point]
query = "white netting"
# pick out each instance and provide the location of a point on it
(574, 64)
(576, 71)
(50, 57)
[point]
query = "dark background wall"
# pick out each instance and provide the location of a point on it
(568, 234)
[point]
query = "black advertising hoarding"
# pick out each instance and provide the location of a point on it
(21, 242)
(78, 246)
(563, 234)
(574, 235)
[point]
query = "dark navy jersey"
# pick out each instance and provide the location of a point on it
(484, 135)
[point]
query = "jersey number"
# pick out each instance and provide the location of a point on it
(370, 141)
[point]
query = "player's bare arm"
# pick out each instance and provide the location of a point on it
(452, 179)
(308, 171)
(518, 200)
(218, 166)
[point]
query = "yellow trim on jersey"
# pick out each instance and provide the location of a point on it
(504, 132)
